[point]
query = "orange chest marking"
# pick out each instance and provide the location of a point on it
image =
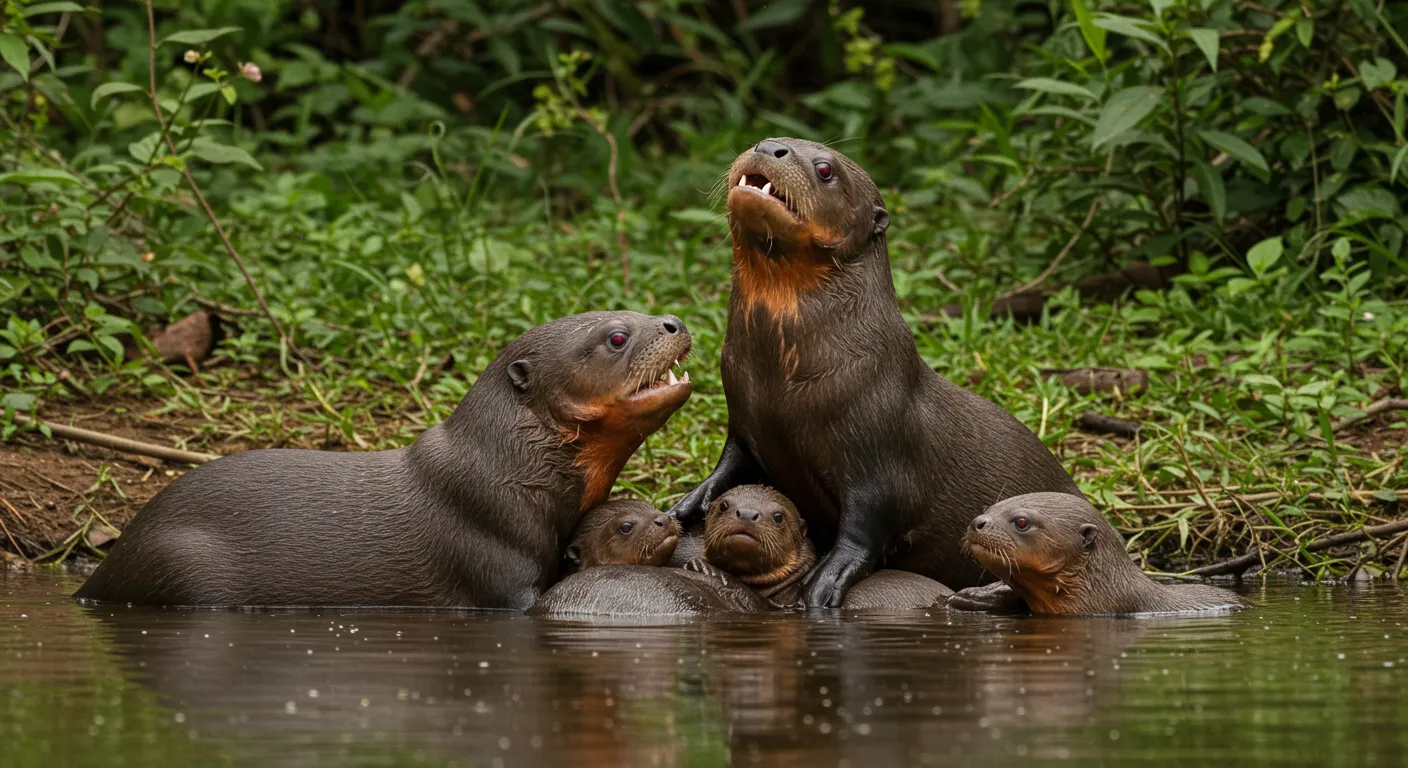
(603, 453)
(776, 284)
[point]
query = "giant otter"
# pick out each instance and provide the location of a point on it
(1060, 556)
(754, 555)
(475, 513)
(828, 399)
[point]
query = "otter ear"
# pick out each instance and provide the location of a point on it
(882, 220)
(518, 372)
(1088, 532)
(802, 524)
(573, 553)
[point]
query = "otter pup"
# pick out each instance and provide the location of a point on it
(754, 555)
(623, 532)
(828, 398)
(1059, 555)
(475, 513)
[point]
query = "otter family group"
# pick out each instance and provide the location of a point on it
(853, 476)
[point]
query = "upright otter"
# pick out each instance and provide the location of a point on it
(1060, 556)
(475, 513)
(828, 399)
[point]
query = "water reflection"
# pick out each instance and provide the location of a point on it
(282, 688)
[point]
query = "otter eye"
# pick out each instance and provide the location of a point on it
(777, 517)
(824, 171)
(723, 506)
(626, 527)
(617, 339)
(1021, 523)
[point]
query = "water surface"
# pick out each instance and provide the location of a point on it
(1314, 675)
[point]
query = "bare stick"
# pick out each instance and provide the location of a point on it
(1242, 562)
(1100, 424)
(1065, 251)
(119, 443)
(1380, 406)
(191, 181)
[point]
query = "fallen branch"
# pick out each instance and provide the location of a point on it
(119, 443)
(1257, 498)
(200, 197)
(1381, 406)
(1101, 424)
(1242, 562)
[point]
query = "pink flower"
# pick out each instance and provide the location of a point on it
(251, 71)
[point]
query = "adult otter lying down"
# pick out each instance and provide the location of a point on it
(474, 513)
(755, 554)
(828, 398)
(1058, 555)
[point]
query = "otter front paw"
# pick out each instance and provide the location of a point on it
(702, 566)
(992, 598)
(826, 586)
(694, 504)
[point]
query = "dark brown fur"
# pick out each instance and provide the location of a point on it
(623, 532)
(828, 398)
(475, 513)
(1070, 561)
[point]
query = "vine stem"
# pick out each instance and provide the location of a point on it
(200, 197)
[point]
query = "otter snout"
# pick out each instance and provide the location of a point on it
(773, 148)
(980, 522)
(672, 324)
(748, 516)
(662, 520)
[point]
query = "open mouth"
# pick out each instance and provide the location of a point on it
(665, 380)
(764, 185)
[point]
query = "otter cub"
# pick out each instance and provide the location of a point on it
(1060, 556)
(622, 532)
(755, 534)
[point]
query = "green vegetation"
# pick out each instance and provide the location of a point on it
(411, 185)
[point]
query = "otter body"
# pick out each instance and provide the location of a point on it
(828, 398)
(474, 513)
(1058, 555)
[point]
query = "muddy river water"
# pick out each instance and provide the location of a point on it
(1314, 674)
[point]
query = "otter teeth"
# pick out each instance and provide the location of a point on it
(767, 188)
(670, 378)
(743, 180)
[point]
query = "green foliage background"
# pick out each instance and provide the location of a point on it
(413, 184)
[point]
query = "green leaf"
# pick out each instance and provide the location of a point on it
(1264, 255)
(1305, 32)
(1236, 148)
(1397, 161)
(1048, 85)
(1210, 184)
(228, 91)
(1264, 107)
(1129, 28)
(1159, 6)
(142, 149)
(15, 52)
(108, 89)
(37, 176)
(774, 15)
(7, 352)
(222, 154)
(1208, 41)
(1377, 73)
(38, 8)
(18, 401)
(1094, 36)
(1124, 111)
(695, 216)
(112, 345)
(198, 36)
(200, 90)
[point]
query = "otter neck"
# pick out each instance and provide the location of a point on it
(1107, 582)
(780, 584)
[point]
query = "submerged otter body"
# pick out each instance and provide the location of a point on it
(475, 513)
(752, 557)
(828, 399)
(1060, 556)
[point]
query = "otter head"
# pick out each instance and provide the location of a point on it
(623, 532)
(797, 210)
(603, 381)
(756, 534)
(1041, 545)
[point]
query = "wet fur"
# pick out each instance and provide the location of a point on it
(1071, 561)
(475, 513)
(829, 401)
